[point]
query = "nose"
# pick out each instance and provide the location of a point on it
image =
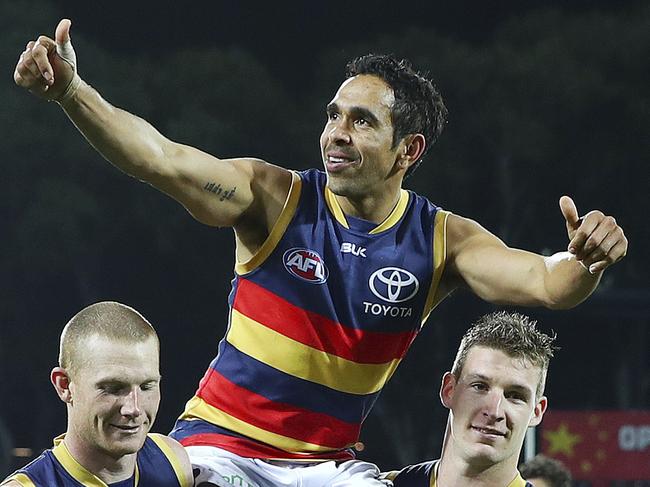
(131, 403)
(493, 407)
(339, 134)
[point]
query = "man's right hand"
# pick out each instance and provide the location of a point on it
(48, 68)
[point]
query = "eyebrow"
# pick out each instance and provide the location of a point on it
(114, 381)
(355, 111)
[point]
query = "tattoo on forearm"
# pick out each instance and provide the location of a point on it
(223, 194)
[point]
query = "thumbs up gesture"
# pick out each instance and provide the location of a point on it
(48, 68)
(596, 240)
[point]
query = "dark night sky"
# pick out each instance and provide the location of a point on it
(288, 35)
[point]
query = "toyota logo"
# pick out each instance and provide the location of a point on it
(393, 284)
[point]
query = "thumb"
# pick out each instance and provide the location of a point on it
(63, 31)
(569, 212)
(63, 44)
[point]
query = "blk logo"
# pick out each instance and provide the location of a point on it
(350, 248)
(393, 284)
(306, 264)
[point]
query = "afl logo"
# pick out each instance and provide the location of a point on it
(393, 284)
(306, 264)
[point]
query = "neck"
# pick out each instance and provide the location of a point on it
(106, 467)
(454, 471)
(373, 208)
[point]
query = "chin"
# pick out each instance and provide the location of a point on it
(343, 187)
(122, 448)
(485, 455)
(126, 446)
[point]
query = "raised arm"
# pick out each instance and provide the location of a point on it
(502, 275)
(245, 191)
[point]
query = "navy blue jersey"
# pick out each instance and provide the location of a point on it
(424, 475)
(320, 318)
(156, 466)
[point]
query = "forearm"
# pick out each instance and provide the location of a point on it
(125, 140)
(566, 282)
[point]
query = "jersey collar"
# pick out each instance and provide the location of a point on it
(78, 471)
(388, 222)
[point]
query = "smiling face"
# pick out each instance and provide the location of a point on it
(356, 143)
(114, 395)
(491, 405)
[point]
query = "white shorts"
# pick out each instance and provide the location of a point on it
(221, 468)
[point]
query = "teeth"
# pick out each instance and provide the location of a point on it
(488, 431)
(337, 160)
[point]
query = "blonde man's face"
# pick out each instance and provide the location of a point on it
(491, 405)
(115, 394)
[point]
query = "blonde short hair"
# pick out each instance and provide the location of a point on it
(515, 335)
(107, 319)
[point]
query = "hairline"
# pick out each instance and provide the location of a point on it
(458, 368)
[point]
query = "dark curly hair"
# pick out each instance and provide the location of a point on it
(418, 107)
(549, 469)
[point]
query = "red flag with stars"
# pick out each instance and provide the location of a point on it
(599, 446)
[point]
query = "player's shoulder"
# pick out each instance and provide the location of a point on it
(176, 455)
(415, 475)
(39, 471)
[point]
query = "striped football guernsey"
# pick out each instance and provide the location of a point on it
(319, 319)
(156, 466)
(425, 474)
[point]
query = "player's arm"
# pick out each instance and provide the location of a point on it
(12, 483)
(216, 192)
(478, 260)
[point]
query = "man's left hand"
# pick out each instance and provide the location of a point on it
(595, 239)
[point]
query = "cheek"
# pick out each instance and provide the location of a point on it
(519, 420)
(151, 403)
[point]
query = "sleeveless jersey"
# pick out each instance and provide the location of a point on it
(320, 317)
(156, 466)
(424, 475)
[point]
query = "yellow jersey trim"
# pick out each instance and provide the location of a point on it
(198, 408)
(439, 260)
(394, 216)
(171, 456)
(280, 226)
(78, 471)
(389, 222)
(335, 208)
(299, 360)
(518, 481)
(22, 479)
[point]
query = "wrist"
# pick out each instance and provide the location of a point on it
(67, 95)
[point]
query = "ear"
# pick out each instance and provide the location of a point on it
(447, 389)
(61, 381)
(411, 149)
(538, 412)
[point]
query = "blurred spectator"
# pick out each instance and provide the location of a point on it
(542, 471)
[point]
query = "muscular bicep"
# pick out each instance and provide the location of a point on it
(218, 192)
(493, 271)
